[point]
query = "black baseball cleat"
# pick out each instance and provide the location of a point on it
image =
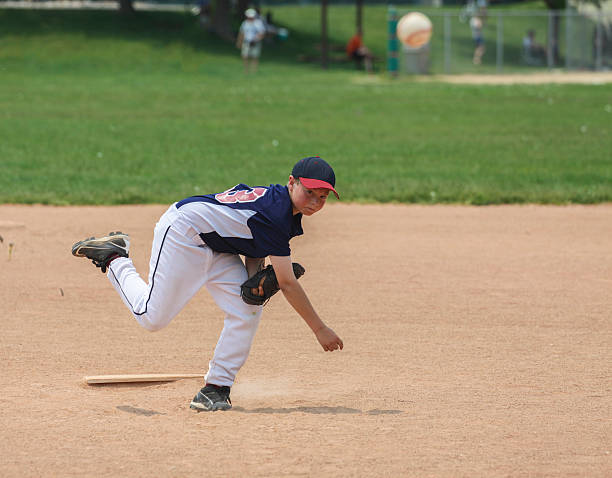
(211, 398)
(103, 250)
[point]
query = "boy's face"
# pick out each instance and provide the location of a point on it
(307, 201)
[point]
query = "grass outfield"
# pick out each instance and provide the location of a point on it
(97, 110)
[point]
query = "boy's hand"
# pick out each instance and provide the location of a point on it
(328, 339)
(296, 296)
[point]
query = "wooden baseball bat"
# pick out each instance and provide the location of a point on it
(145, 377)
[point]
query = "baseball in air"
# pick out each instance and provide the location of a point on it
(414, 30)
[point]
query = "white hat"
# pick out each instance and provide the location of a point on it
(250, 13)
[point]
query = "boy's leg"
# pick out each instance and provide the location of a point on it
(255, 54)
(241, 321)
(177, 270)
(244, 53)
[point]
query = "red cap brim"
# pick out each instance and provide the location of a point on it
(317, 183)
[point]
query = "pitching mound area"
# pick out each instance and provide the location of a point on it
(478, 342)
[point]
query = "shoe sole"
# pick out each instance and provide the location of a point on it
(101, 243)
(215, 407)
(212, 407)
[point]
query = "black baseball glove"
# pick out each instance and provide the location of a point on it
(258, 288)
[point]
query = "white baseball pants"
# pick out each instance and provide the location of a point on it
(181, 264)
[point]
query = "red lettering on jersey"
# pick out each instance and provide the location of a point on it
(244, 195)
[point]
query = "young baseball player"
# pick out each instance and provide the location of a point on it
(198, 242)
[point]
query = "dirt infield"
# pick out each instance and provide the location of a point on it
(537, 78)
(479, 344)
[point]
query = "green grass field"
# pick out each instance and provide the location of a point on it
(97, 109)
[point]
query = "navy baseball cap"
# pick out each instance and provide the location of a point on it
(315, 173)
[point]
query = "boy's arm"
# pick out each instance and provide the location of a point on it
(262, 31)
(298, 299)
(254, 264)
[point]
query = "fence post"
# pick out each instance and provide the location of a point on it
(500, 43)
(447, 43)
(392, 46)
(583, 42)
(549, 45)
(598, 44)
(567, 37)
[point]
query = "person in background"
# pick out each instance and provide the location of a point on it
(479, 46)
(357, 51)
(252, 32)
(533, 52)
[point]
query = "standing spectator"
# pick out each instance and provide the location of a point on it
(479, 46)
(252, 32)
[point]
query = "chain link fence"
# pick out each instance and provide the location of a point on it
(512, 41)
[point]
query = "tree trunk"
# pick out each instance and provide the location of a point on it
(359, 16)
(221, 22)
(555, 6)
(126, 6)
(324, 43)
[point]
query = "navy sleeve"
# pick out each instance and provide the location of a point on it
(270, 238)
